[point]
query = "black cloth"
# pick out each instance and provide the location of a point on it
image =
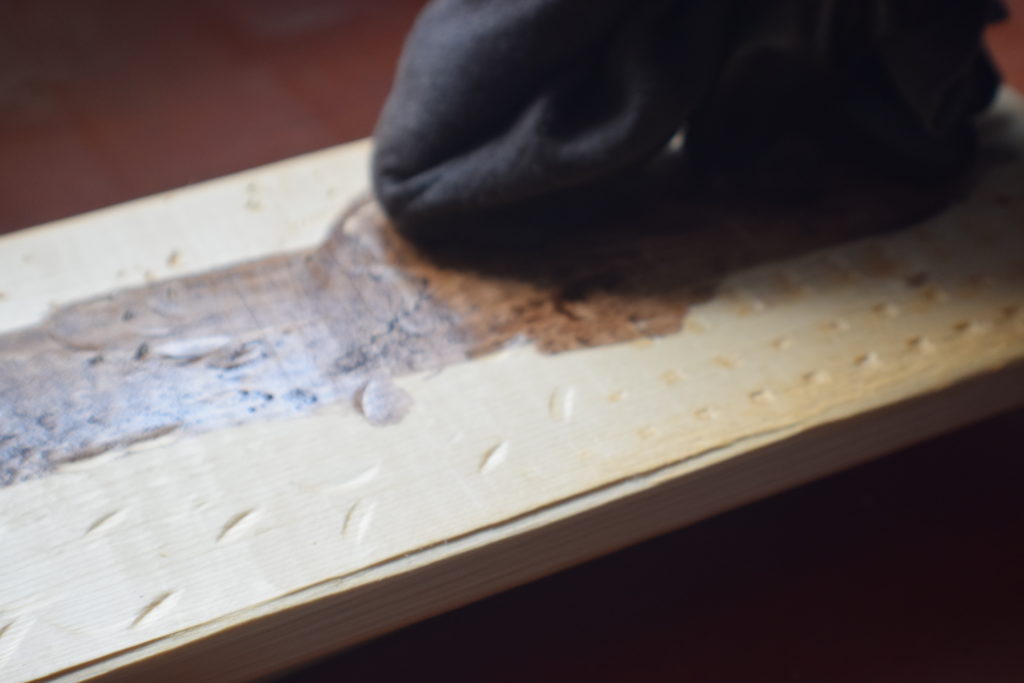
(510, 108)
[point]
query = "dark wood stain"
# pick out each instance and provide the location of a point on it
(280, 336)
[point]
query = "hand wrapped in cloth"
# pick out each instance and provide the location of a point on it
(505, 113)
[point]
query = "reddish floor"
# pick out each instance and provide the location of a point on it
(106, 100)
(909, 569)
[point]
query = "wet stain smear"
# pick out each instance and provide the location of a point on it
(261, 340)
(284, 335)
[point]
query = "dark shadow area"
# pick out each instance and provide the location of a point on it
(673, 227)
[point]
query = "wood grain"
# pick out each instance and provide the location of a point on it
(332, 325)
(232, 552)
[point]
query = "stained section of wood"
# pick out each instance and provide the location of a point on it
(269, 339)
(287, 334)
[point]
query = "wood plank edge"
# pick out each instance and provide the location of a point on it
(323, 619)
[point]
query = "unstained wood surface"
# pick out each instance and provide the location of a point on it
(906, 569)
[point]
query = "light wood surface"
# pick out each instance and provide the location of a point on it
(232, 553)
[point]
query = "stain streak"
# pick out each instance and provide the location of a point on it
(283, 335)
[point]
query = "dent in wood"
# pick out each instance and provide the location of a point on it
(12, 633)
(236, 525)
(358, 481)
(105, 522)
(562, 404)
(358, 520)
(494, 457)
(156, 608)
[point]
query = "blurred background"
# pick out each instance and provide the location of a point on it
(907, 569)
(107, 100)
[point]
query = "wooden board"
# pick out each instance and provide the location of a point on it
(236, 549)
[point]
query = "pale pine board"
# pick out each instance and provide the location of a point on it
(236, 552)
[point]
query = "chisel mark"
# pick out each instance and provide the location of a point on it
(11, 635)
(105, 523)
(236, 524)
(817, 377)
(494, 457)
(156, 609)
(867, 361)
(358, 520)
(562, 403)
(359, 480)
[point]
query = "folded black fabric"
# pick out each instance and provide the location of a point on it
(509, 108)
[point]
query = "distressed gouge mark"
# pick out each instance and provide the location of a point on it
(888, 309)
(12, 633)
(868, 361)
(617, 396)
(836, 325)
(358, 520)
(817, 377)
(706, 413)
(670, 377)
(494, 457)
(970, 327)
(562, 404)
(156, 609)
(920, 344)
(647, 432)
(236, 525)
(105, 523)
(934, 294)
(358, 481)
(727, 362)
